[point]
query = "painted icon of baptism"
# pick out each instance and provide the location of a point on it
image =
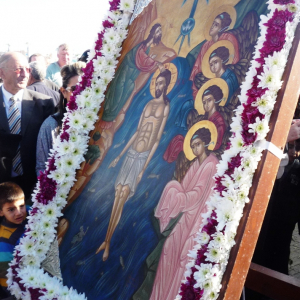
(136, 207)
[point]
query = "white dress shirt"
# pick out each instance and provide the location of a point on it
(18, 98)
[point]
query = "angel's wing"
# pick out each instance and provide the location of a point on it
(247, 34)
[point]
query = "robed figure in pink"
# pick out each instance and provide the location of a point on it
(188, 197)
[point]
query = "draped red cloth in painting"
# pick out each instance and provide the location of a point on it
(143, 61)
(174, 148)
(218, 120)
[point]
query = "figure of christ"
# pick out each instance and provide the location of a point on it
(211, 98)
(217, 33)
(150, 55)
(188, 197)
(141, 148)
(137, 67)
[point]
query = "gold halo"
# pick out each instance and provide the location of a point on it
(174, 74)
(205, 61)
(187, 141)
(221, 83)
(224, 8)
(164, 26)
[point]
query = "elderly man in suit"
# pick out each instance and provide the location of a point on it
(22, 112)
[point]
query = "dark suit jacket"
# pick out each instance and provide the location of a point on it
(36, 107)
(41, 87)
(51, 85)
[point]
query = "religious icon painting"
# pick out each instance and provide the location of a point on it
(134, 211)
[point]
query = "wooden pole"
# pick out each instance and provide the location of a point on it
(263, 181)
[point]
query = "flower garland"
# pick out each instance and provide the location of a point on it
(26, 280)
(235, 171)
(215, 239)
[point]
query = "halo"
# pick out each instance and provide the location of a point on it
(164, 26)
(221, 83)
(205, 61)
(187, 141)
(224, 8)
(174, 74)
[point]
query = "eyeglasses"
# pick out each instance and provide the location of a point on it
(19, 70)
(71, 88)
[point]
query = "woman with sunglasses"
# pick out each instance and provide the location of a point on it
(51, 127)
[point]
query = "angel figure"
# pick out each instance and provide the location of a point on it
(218, 31)
(189, 198)
(217, 64)
(242, 38)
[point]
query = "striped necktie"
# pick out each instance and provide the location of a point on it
(14, 122)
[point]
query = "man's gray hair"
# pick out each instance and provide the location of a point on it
(4, 59)
(38, 70)
(65, 46)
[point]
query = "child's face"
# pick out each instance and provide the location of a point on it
(14, 212)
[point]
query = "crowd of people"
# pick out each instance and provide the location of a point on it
(33, 98)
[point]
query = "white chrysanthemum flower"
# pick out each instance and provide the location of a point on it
(214, 254)
(265, 104)
(243, 192)
(237, 142)
(57, 175)
(240, 177)
(51, 211)
(91, 115)
(30, 260)
(292, 8)
(218, 240)
(203, 238)
(109, 50)
(210, 295)
(122, 33)
(75, 120)
(192, 254)
(271, 79)
(25, 295)
(203, 273)
(15, 290)
(260, 127)
(27, 246)
(248, 163)
(98, 90)
(111, 37)
(222, 166)
(127, 5)
(236, 125)
(225, 213)
(63, 147)
(227, 181)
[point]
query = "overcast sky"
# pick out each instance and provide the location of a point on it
(45, 24)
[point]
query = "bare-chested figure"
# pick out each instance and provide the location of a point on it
(141, 148)
(134, 72)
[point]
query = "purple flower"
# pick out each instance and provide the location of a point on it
(64, 136)
(114, 4)
(72, 105)
(275, 41)
(279, 20)
(107, 24)
(283, 2)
